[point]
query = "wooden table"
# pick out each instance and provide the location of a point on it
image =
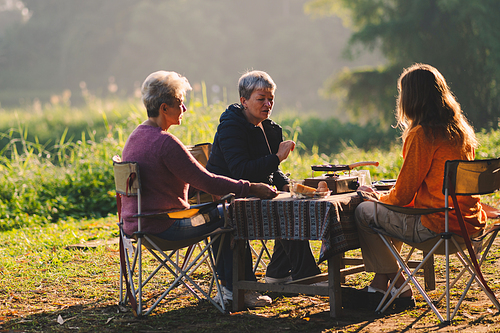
(330, 220)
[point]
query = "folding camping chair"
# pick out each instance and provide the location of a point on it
(132, 266)
(460, 178)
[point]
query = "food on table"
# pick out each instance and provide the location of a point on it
(308, 191)
(322, 186)
(303, 189)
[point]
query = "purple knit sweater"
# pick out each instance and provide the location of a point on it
(166, 171)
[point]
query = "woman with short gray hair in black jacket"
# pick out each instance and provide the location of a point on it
(248, 145)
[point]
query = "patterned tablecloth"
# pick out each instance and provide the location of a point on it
(330, 220)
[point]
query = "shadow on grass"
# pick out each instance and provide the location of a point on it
(181, 313)
(286, 315)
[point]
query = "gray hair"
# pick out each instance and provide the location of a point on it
(162, 87)
(255, 80)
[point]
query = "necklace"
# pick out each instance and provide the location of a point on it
(265, 137)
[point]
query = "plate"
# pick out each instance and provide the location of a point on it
(313, 195)
(384, 185)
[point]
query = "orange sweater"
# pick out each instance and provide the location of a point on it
(420, 183)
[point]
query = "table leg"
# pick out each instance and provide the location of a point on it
(334, 286)
(429, 275)
(238, 275)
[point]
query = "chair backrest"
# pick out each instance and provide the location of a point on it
(201, 152)
(472, 177)
(127, 177)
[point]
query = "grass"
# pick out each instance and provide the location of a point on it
(52, 168)
(58, 191)
(44, 279)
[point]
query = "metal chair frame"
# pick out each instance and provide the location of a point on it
(461, 177)
(131, 265)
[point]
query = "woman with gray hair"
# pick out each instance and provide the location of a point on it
(248, 145)
(168, 169)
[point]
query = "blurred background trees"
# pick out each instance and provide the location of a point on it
(334, 57)
(117, 43)
(459, 37)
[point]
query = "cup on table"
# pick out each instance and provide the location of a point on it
(364, 177)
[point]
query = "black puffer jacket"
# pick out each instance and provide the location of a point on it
(240, 150)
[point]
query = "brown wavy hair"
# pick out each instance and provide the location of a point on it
(425, 99)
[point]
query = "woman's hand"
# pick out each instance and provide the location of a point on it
(368, 193)
(366, 188)
(284, 149)
(262, 191)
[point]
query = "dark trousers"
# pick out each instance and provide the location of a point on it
(292, 257)
(225, 264)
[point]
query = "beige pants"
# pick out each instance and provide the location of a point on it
(377, 257)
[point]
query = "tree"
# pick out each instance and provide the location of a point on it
(69, 41)
(459, 37)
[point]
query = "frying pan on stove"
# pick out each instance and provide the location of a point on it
(341, 167)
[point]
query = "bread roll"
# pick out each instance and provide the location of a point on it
(303, 189)
(322, 186)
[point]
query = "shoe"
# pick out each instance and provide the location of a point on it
(227, 295)
(403, 303)
(405, 289)
(254, 299)
(356, 299)
(216, 299)
(269, 279)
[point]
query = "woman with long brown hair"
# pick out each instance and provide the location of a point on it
(434, 130)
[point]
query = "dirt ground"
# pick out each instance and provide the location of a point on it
(58, 310)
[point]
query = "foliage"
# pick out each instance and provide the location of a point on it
(489, 144)
(117, 43)
(48, 122)
(71, 176)
(57, 163)
(331, 135)
(35, 190)
(461, 38)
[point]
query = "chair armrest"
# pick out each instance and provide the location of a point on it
(412, 210)
(367, 196)
(191, 211)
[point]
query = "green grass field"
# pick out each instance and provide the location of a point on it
(56, 162)
(59, 190)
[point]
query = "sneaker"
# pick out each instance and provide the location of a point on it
(269, 279)
(227, 295)
(254, 299)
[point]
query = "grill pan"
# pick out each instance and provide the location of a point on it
(341, 167)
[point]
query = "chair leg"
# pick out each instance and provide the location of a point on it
(468, 266)
(411, 276)
(259, 256)
(183, 277)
